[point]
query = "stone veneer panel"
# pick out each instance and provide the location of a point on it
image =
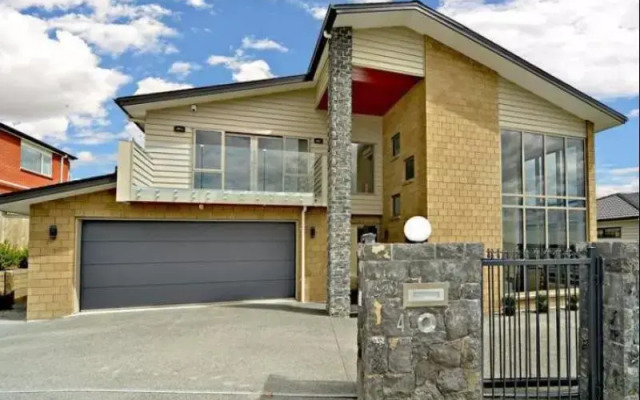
(620, 318)
(395, 359)
(339, 160)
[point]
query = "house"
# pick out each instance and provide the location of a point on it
(261, 189)
(619, 217)
(26, 162)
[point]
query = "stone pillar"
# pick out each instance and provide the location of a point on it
(427, 352)
(339, 160)
(620, 318)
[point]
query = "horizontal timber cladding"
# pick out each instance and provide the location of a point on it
(145, 263)
(521, 109)
(394, 49)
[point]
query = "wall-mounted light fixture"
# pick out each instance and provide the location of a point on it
(312, 232)
(53, 232)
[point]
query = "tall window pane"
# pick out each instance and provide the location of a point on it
(511, 162)
(30, 158)
(362, 168)
(535, 229)
(533, 164)
(208, 150)
(512, 238)
(270, 165)
(554, 165)
(557, 229)
(575, 168)
(577, 226)
(237, 168)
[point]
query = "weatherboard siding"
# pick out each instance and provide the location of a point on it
(283, 114)
(629, 228)
(394, 49)
(523, 110)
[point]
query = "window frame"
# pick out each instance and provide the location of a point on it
(373, 191)
(254, 150)
(395, 139)
(395, 197)
(602, 231)
(411, 159)
(43, 154)
(524, 201)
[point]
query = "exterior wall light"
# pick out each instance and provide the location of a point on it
(417, 229)
(53, 232)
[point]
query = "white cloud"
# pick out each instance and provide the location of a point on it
(633, 113)
(318, 10)
(614, 180)
(85, 157)
(198, 3)
(88, 158)
(243, 68)
(249, 42)
(593, 45)
(53, 79)
(182, 69)
(113, 26)
(153, 85)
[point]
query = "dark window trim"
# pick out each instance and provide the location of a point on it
(605, 233)
(406, 161)
(393, 147)
(393, 205)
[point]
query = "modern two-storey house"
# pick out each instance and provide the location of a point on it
(261, 189)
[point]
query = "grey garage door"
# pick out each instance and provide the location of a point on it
(133, 263)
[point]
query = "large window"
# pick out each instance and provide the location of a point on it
(241, 162)
(34, 159)
(543, 187)
(362, 166)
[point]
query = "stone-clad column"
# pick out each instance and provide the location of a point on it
(620, 318)
(339, 196)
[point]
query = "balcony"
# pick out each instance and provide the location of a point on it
(249, 176)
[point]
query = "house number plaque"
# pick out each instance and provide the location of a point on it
(426, 294)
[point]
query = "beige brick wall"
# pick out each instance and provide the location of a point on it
(463, 148)
(52, 263)
(406, 117)
(17, 282)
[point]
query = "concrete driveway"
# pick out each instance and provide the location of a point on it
(242, 351)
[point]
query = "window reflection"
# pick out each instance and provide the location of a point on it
(533, 160)
(362, 168)
(511, 162)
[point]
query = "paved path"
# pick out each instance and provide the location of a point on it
(245, 350)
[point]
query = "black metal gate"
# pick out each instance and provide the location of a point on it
(542, 324)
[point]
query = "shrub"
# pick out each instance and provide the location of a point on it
(509, 306)
(13, 256)
(542, 304)
(573, 302)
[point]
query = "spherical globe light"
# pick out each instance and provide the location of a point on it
(417, 229)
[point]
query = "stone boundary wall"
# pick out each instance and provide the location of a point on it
(430, 352)
(16, 281)
(621, 319)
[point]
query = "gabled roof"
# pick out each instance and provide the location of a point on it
(619, 206)
(22, 135)
(19, 202)
(424, 20)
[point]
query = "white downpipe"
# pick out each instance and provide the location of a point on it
(303, 234)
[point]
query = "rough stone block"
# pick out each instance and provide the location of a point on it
(400, 359)
(412, 252)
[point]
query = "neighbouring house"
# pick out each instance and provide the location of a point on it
(619, 217)
(25, 163)
(262, 189)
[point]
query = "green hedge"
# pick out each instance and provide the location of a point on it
(13, 256)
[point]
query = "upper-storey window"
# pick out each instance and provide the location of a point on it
(544, 190)
(395, 145)
(362, 168)
(35, 159)
(242, 162)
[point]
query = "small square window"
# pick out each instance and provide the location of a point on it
(395, 145)
(395, 205)
(409, 168)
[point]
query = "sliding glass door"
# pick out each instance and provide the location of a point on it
(237, 161)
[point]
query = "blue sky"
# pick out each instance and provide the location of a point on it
(69, 58)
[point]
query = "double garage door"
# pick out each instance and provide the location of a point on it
(134, 263)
